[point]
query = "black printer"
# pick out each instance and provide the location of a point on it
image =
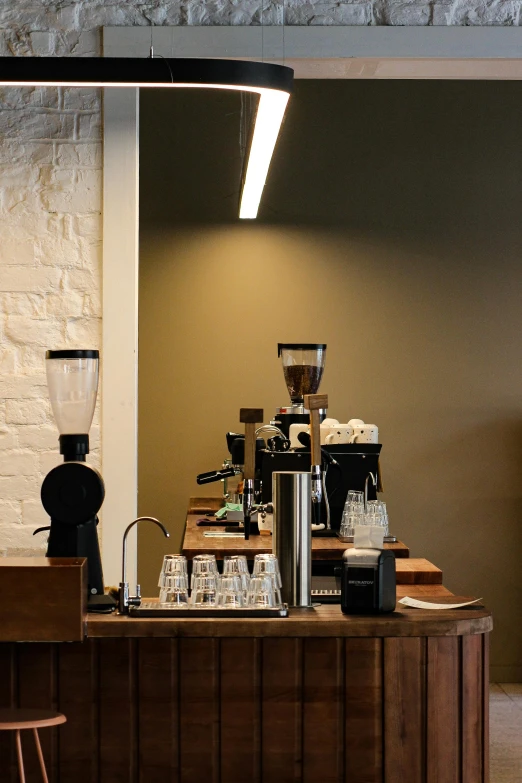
(368, 581)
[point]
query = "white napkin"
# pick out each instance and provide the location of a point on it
(416, 604)
(368, 536)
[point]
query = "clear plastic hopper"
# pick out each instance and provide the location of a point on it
(303, 365)
(72, 379)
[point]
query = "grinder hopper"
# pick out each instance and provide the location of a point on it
(303, 365)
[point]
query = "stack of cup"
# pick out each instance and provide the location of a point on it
(204, 581)
(355, 514)
(173, 581)
(236, 565)
(265, 586)
(235, 589)
(377, 514)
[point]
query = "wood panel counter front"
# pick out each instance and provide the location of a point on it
(313, 698)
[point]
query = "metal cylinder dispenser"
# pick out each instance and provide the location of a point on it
(292, 535)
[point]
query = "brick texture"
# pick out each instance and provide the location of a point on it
(50, 198)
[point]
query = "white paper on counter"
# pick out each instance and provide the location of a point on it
(416, 604)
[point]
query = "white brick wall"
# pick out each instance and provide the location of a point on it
(50, 199)
(50, 267)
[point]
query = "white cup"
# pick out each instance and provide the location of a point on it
(342, 433)
(365, 433)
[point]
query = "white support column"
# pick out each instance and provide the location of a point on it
(120, 328)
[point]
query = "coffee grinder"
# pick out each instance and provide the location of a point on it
(73, 493)
(303, 366)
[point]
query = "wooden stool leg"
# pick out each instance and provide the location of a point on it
(20, 757)
(40, 756)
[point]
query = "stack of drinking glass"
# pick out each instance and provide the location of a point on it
(235, 588)
(355, 514)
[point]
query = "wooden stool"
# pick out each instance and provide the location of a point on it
(18, 720)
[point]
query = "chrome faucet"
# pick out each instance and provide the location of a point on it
(125, 599)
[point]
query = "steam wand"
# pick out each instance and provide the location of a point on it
(126, 600)
(249, 417)
(374, 482)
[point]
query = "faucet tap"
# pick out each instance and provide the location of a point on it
(125, 599)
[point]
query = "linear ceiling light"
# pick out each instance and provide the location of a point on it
(273, 84)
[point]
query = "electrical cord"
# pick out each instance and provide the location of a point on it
(152, 56)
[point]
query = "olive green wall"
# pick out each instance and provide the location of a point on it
(390, 229)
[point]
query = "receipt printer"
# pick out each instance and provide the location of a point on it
(368, 582)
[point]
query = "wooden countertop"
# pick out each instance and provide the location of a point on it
(195, 543)
(324, 621)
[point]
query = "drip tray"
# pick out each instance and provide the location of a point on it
(155, 609)
(349, 539)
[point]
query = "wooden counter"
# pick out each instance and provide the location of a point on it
(317, 697)
(314, 698)
(324, 621)
(195, 543)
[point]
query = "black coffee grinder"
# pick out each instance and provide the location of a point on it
(72, 493)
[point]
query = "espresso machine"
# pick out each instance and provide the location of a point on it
(72, 493)
(303, 367)
(335, 468)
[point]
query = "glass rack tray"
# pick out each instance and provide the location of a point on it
(155, 609)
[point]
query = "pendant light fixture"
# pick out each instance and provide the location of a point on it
(272, 83)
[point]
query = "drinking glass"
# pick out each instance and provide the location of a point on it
(355, 498)
(267, 564)
(236, 565)
(172, 564)
(349, 521)
(203, 565)
(230, 592)
(204, 590)
(261, 593)
(175, 591)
